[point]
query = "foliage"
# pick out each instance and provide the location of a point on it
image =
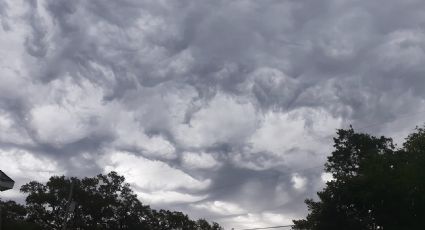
(100, 202)
(375, 185)
(13, 216)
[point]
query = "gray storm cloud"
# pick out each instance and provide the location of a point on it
(222, 109)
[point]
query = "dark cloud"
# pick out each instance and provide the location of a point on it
(220, 109)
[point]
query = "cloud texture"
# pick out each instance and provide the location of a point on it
(222, 109)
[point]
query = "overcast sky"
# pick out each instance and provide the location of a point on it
(222, 109)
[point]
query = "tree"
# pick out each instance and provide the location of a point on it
(13, 217)
(375, 185)
(101, 202)
(204, 225)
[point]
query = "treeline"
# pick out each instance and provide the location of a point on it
(376, 185)
(91, 203)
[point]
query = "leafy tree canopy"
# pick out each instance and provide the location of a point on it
(100, 202)
(375, 185)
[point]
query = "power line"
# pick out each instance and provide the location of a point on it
(280, 226)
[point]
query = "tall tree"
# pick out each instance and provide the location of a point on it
(100, 202)
(375, 185)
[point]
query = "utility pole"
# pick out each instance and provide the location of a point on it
(69, 207)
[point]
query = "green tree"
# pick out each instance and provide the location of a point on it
(204, 225)
(13, 216)
(100, 202)
(374, 186)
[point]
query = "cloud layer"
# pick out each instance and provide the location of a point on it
(222, 109)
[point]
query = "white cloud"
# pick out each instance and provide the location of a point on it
(57, 125)
(131, 134)
(67, 111)
(10, 132)
(167, 197)
(150, 175)
(220, 207)
(291, 137)
(281, 132)
(299, 182)
(23, 166)
(202, 160)
(224, 120)
(257, 220)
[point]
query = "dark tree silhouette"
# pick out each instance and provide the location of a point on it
(100, 202)
(375, 185)
(14, 217)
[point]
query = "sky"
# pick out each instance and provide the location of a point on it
(222, 109)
